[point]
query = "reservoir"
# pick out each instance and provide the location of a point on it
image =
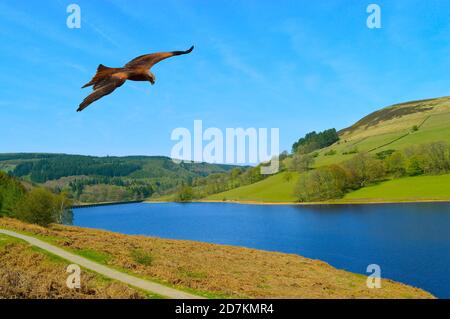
(410, 242)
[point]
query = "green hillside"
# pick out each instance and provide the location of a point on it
(392, 128)
(103, 179)
(276, 188)
(414, 188)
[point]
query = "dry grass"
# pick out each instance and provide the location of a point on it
(218, 269)
(27, 272)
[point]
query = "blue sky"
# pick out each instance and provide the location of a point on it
(295, 65)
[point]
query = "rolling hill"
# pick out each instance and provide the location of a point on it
(110, 178)
(391, 128)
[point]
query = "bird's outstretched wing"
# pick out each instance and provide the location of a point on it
(103, 88)
(149, 60)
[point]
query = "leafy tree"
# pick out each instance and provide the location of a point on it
(11, 191)
(436, 157)
(395, 164)
(301, 162)
(283, 156)
(414, 165)
(235, 172)
(321, 184)
(185, 194)
(364, 169)
(40, 206)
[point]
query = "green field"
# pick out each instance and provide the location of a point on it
(415, 188)
(275, 188)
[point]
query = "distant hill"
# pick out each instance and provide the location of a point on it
(391, 128)
(111, 178)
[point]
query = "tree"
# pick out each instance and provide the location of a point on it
(414, 165)
(395, 164)
(324, 183)
(435, 157)
(11, 191)
(283, 155)
(235, 172)
(40, 206)
(185, 194)
(301, 163)
(364, 169)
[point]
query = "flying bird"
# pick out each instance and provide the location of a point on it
(106, 80)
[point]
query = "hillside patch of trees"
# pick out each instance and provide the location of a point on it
(53, 168)
(332, 182)
(314, 141)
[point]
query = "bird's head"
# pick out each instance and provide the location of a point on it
(151, 77)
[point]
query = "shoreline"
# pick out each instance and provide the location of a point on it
(248, 202)
(266, 262)
(87, 205)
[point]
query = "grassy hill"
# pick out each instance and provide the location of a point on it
(277, 188)
(414, 188)
(391, 128)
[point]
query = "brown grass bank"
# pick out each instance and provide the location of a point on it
(26, 272)
(216, 269)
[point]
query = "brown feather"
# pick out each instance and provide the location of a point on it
(148, 60)
(106, 87)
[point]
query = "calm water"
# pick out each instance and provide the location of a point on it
(411, 242)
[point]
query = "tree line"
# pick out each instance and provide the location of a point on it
(135, 189)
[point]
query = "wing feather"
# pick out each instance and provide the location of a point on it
(149, 60)
(106, 87)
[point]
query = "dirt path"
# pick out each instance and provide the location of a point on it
(104, 270)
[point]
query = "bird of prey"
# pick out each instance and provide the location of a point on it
(106, 80)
